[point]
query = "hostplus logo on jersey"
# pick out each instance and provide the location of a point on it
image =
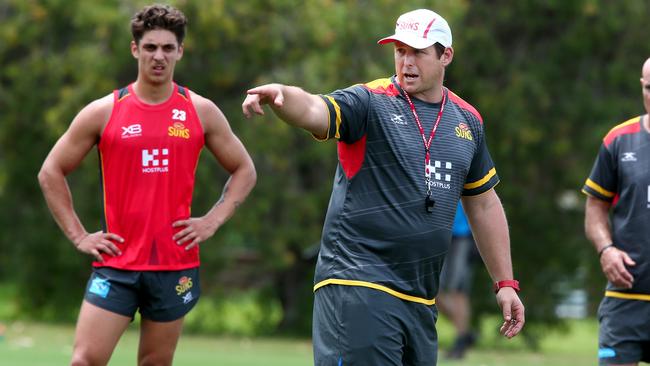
(133, 130)
(155, 160)
(440, 175)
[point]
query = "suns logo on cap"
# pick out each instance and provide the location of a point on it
(411, 25)
(178, 130)
(463, 131)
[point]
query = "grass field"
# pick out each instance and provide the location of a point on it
(28, 344)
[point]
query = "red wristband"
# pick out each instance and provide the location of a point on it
(506, 283)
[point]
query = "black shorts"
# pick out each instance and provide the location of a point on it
(160, 296)
(360, 326)
(624, 334)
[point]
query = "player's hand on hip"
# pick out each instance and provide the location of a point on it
(513, 312)
(100, 242)
(614, 263)
(195, 231)
(265, 94)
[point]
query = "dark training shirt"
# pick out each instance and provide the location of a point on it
(377, 231)
(621, 176)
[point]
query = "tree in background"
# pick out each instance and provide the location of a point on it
(549, 78)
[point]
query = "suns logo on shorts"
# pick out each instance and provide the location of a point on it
(463, 131)
(178, 130)
(184, 284)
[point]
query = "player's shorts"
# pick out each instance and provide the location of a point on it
(360, 326)
(624, 334)
(458, 268)
(160, 296)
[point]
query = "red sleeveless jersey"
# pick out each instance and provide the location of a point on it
(148, 157)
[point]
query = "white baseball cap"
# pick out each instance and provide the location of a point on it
(420, 29)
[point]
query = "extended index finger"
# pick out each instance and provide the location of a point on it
(251, 105)
(266, 94)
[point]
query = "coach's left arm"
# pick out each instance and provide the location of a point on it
(490, 228)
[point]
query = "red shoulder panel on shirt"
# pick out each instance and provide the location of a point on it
(463, 104)
(632, 125)
(351, 156)
(382, 86)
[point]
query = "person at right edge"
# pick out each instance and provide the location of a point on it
(620, 182)
(388, 225)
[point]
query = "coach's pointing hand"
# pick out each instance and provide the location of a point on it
(265, 94)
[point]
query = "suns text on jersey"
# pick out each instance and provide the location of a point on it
(463, 131)
(178, 130)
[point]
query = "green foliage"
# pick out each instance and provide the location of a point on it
(549, 77)
(241, 314)
(55, 59)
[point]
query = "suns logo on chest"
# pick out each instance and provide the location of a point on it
(178, 130)
(463, 131)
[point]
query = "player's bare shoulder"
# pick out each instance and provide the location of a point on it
(211, 117)
(95, 115)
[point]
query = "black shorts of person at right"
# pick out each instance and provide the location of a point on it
(624, 334)
(360, 326)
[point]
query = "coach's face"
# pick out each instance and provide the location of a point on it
(420, 72)
(157, 54)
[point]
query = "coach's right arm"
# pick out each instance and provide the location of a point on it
(490, 228)
(292, 104)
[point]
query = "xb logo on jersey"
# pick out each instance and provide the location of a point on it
(151, 162)
(133, 130)
(463, 131)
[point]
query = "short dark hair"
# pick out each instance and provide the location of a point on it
(440, 49)
(158, 16)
